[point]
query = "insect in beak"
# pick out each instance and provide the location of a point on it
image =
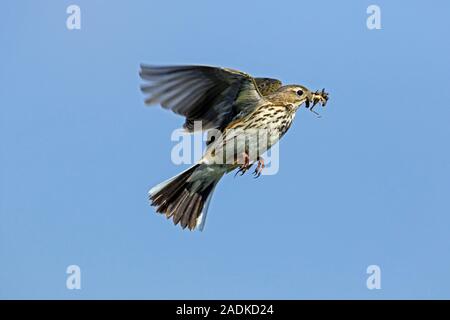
(317, 97)
(307, 103)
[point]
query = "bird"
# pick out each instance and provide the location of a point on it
(236, 108)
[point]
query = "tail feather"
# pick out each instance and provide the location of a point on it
(185, 197)
(202, 218)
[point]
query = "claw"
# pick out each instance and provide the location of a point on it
(245, 166)
(259, 168)
(241, 170)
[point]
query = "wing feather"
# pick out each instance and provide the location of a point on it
(212, 95)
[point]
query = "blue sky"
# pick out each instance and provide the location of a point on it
(368, 183)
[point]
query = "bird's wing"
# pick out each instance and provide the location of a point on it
(267, 85)
(212, 95)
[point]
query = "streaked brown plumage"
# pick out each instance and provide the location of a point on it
(228, 102)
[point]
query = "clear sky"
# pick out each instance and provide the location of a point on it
(366, 184)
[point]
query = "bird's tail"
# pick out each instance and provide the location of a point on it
(185, 197)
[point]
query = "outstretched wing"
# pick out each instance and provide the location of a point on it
(212, 95)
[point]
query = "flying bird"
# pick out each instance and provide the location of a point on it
(246, 116)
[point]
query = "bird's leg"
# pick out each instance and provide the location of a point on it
(259, 167)
(245, 166)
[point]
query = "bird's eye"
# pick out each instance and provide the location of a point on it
(300, 92)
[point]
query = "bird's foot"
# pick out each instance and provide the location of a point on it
(245, 166)
(259, 168)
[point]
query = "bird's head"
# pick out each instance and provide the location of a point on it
(298, 95)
